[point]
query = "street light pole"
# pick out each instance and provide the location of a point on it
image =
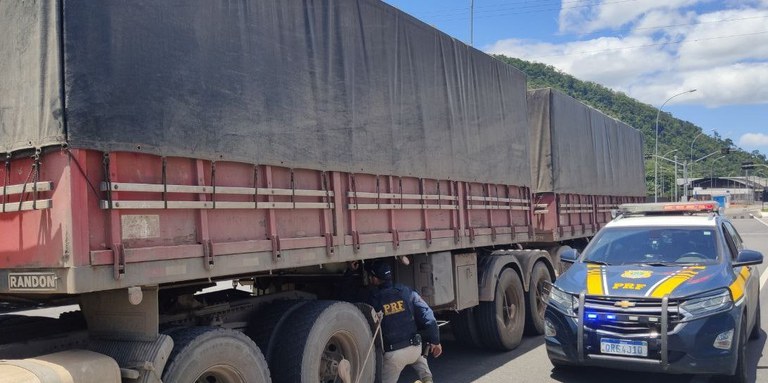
(692, 142)
(674, 162)
(712, 170)
(662, 177)
(676, 199)
(685, 171)
(656, 147)
(471, 23)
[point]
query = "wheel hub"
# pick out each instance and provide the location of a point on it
(510, 307)
(220, 374)
(338, 360)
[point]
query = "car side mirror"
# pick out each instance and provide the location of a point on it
(748, 257)
(571, 255)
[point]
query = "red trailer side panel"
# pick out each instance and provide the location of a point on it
(127, 218)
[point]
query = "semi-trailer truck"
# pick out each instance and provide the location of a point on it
(151, 149)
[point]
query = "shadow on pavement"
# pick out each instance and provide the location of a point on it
(461, 364)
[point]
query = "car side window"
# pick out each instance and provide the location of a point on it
(730, 241)
(735, 235)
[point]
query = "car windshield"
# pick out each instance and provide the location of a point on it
(652, 246)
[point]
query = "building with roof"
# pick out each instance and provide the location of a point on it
(735, 189)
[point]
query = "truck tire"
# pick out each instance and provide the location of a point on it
(556, 254)
(465, 329)
(535, 307)
(501, 322)
(268, 322)
(378, 348)
(6, 319)
(321, 334)
(17, 328)
(214, 355)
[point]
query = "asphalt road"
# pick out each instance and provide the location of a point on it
(529, 362)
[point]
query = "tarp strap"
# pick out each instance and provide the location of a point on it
(35, 177)
(6, 179)
(213, 182)
(107, 178)
(165, 182)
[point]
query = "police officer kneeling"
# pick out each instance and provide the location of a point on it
(405, 313)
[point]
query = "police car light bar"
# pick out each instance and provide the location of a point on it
(670, 207)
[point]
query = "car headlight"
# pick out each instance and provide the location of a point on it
(706, 305)
(562, 301)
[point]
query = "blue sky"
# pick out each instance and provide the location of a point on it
(648, 49)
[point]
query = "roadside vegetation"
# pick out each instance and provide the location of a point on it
(673, 133)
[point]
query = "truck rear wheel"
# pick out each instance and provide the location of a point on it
(501, 322)
(556, 255)
(17, 328)
(535, 308)
(214, 355)
(322, 334)
(464, 328)
(268, 322)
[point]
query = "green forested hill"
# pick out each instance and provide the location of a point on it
(673, 133)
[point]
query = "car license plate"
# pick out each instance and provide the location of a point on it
(623, 347)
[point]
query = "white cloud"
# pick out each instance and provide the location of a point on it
(753, 140)
(613, 14)
(667, 47)
(607, 60)
(672, 23)
(742, 37)
(742, 83)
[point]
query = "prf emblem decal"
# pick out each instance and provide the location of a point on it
(32, 281)
(394, 307)
(637, 274)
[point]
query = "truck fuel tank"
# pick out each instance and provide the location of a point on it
(73, 366)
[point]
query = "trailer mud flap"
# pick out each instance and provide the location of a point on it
(141, 362)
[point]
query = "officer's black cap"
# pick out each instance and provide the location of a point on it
(380, 269)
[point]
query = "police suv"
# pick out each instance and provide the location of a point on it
(665, 287)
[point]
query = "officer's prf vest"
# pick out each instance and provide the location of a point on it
(398, 324)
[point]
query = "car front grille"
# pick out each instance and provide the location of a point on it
(627, 316)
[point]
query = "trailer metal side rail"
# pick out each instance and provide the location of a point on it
(606, 208)
(401, 206)
(210, 190)
(500, 203)
(21, 190)
(575, 208)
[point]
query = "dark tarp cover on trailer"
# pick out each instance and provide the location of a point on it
(349, 85)
(30, 75)
(578, 149)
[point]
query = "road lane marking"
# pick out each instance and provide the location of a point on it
(760, 220)
(764, 277)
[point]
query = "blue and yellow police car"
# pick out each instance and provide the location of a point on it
(664, 287)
